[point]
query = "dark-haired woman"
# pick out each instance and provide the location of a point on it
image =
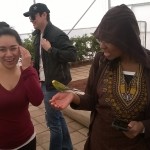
(19, 86)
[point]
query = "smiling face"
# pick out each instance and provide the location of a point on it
(110, 51)
(9, 51)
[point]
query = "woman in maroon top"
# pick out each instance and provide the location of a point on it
(118, 87)
(19, 86)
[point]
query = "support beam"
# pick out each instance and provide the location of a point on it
(81, 17)
(109, 4)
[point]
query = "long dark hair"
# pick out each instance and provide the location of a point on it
(4, 24)
(11, 32)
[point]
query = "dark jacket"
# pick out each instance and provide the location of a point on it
(55, 62)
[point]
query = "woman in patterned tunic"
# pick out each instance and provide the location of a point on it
(118, 87)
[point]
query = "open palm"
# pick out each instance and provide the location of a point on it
(61, 100)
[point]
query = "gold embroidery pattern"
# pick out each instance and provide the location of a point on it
(127, 101)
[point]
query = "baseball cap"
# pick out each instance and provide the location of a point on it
(36, 8)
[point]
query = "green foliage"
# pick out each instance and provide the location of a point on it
(28, 44)
(86, 46)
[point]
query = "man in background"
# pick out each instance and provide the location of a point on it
(53, 51)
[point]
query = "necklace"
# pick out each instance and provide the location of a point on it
(129, 92)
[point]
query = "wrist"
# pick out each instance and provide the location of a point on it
(142, 127)
(49, 50)
(25, 67)
(76, 99)
(143, 131)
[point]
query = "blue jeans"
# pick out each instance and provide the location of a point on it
(59, 134)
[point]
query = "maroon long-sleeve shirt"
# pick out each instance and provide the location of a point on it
(15, 123)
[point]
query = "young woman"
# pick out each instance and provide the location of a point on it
(19, 86)
(118, 88)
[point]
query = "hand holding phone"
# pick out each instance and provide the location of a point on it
(120, 125)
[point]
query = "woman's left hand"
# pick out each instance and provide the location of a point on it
(135, 128)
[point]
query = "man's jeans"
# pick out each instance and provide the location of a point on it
(59, 134)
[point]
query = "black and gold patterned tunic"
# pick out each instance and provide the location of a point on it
(127, 100)
(121, 100)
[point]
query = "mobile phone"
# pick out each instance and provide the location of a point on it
(120, 125)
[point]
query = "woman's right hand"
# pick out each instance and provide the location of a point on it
(26, 57)
(62, 100)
